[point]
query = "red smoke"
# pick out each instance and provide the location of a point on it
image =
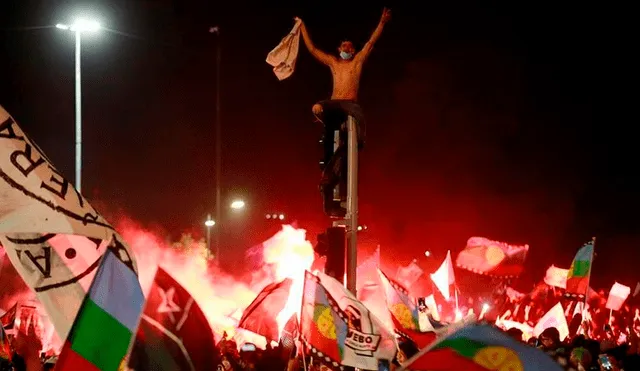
(222, 297)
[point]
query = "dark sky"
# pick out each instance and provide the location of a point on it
(500, 120)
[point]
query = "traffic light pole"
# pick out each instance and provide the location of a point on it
(352, 204)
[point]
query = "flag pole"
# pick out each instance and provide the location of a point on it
(134, 337)
(455, 292)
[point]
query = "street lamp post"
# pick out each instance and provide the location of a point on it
(218, 130)
(209, 223)
(78, 27)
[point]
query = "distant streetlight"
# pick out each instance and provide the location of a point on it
(78, 27)
(209, 223)
(275, 216)
(237, 204)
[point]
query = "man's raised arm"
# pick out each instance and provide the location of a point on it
(317, 53)
(368, 47)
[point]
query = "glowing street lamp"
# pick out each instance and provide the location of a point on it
(78, 27)
(275, 216)
(237, 204)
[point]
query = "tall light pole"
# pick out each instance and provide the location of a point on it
(78, 27)
(218, 130)
(209, 223)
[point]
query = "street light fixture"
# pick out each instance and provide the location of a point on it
(237, 204)
(275, 216)
(78, 27)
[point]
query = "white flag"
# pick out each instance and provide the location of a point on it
(363, 325)
(34, 197)
(51, 234)
(617, 296)
(444, 276)
(556, 277)
(554, 318)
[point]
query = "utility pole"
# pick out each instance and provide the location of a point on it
(218, 133)
(352, 204)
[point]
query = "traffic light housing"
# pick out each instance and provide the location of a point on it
(333, 164)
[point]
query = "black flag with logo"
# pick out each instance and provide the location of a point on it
(174, 333)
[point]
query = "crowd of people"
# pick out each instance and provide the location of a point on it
(598, 338)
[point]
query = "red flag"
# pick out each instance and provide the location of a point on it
(492, 258)
(174, 333)
(260, 315)
(9, 318)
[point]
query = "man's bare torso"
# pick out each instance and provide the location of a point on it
(346, 79)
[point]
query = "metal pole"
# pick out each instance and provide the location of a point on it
(78, 116)
(352, 204)
(208, 240)
(218, 148)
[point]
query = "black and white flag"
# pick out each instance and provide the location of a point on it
(50, 233)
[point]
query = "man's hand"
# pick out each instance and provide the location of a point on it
(296, 19)
(386, 16)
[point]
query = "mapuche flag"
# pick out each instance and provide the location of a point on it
(480, 348)
(101, 334)
(580, 271)
(174, 333)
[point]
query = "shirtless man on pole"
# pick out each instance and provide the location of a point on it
(346, 70)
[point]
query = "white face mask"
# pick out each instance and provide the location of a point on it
(345, 55)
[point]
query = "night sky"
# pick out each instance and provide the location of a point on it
(499, 120)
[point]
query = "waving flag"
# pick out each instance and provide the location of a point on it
(492, 258)
(323, 326)
(617, 296)
(367, 271)
(553, 318)
(260, 315)
(480, 348)
(580, 272)
(402, 307)
(365, 329)
(556, 277)
(8, 319)
(174, 334)
(444, 277)
(53, 237)
(107, 320)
